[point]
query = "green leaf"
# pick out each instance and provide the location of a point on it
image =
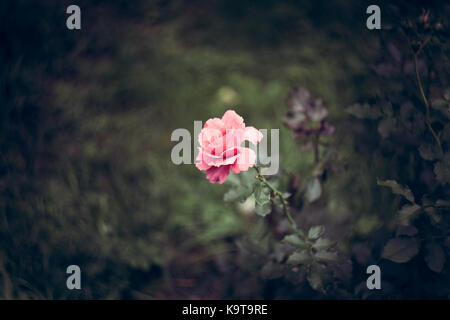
(262, 194)
(247, 179)
(315, 232)
(295, 240)
(264, 209)
(400, 250)
(397, 188)
(326, 256)
(434, 257)
(299, 257)
(233, 179)
(322, 243)
(313, 190)
(363, 111)
(407, 212)
(237, 193)
(286, 195)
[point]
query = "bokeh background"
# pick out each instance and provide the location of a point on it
(85, 124)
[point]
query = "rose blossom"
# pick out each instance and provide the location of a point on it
(220, 147)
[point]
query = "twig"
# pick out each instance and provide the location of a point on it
(278, 194)
(425, 100)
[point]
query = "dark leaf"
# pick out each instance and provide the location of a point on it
(364, 111)
(326, 256)
(295, 240)
(315, 232)
(442, 170)
(299, 257)
(237, 193)
(264, 209)
(397, 188)
(262, 194)
(406, 231)
(429, 151)
(434, 257)
(315, 277)
(323, 243)
(407, 213)
(313, 190)
(400, 250)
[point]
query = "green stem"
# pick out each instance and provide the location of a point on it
(278, 194)
(316, 148)
(427, 104)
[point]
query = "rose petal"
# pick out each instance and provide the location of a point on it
(253, 135)
(232, 120)
(218, 174)
(200, 163)
(246, 159)
(215, 123)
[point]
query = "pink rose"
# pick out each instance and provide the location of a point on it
(220, 147)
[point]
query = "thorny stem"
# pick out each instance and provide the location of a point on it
(425, 100)
(278, 194)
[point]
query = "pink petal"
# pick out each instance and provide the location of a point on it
(209, 135)
(218, 174)
(253, 135)
(215, 123)
(200, 163)
(246, 159)
(232, 120)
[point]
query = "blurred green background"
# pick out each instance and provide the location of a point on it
(85, 124)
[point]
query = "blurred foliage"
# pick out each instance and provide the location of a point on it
(85, 170)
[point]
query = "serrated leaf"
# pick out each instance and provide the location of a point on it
(326, 256)
(434, 257)
(237, 193)
(397, 188)
(313, 190)
(400, 250)
(299, 257)
(322, 243)
(262, 194)
(407, 212)
(286, 195)
(295, 240)
(315, 232)
(248, 179)
(264, 209)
